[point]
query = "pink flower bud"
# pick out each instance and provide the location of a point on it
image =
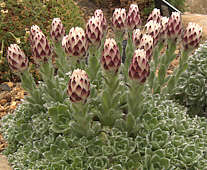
(94, 31)
(153, 28)
(16, 58)
(136, 37)
(111, 59)
(192, 36)
(99, 13)
(57, 30)
(155, 15)
(41, 48)
(139, 68)
(133, 17)
(75, 43)
(119, 19)
(174, 26)
(146, 43)
(78, 86)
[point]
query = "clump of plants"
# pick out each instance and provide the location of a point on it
(101, 110)
(18, 16)
(191, 87)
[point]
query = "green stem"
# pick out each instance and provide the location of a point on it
(135, 99)
(178, 71)
(110, 99)
(93, 63)
(82, 123)
(62, 62)
(28, 84)
(52, 85)
(165, 61)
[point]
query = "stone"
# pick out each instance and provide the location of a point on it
(200, 19)
(4, 165)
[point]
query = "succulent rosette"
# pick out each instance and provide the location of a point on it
(155, 15)
(99, 13)
(153, 28)
(139, 68)
(75, 43)
(136, 37)
(119, 19)
(164, 28)
(146, 43)
(133, 17)
(78, 86)
(174, 26)
(16, 58)
(192, 36)
(94, 31)
(41, 48)
(57, 31)
(110, 59)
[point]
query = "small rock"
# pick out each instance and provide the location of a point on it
(4, 87)
(3, 102)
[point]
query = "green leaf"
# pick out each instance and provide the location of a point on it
(164, 162)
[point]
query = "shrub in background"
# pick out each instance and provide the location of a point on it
(18, 16)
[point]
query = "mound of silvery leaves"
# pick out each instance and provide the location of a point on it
(96, 109)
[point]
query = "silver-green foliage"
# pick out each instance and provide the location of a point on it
(167, 138)
(191, 89)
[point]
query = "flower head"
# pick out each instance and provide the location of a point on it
(155, 15)
(192, 36)
(111, 59)
(136, 37)
(75, 43)
(57, 30)
(94, 31)
(153, 28)
(133, 17)
(16, 58)
(139, 68)
(99, 13)
(174, 26)
(119, 19)
(78, 86)
(41, 48)
(146, 43)
(164, 28)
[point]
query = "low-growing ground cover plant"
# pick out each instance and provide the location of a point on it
(191, 87)
(101, 110)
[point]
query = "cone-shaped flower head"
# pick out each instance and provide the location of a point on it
(41, 48)
(133, 17)
(110, 59)
(78, 86)
(164, 28)
(153, 28)
(94, 31)
(139, 68)
(57, 30)
(136, 37)
(174, 26)
(75, 43)
(146, 43)
(33, 30)
(99, 13)
(119, 19)
(16, 58)
(155, 15)
(192, 36)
